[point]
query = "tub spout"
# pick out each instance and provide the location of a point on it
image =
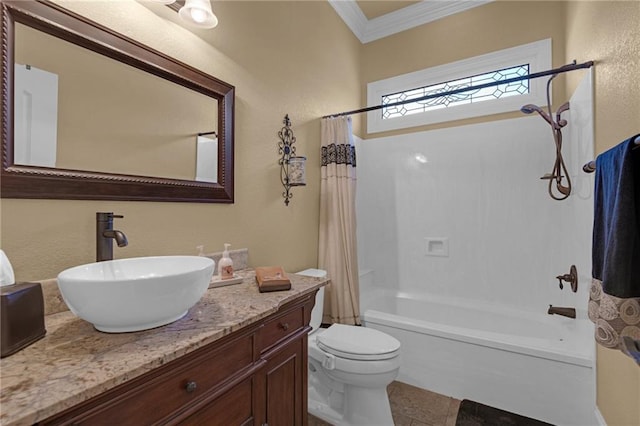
(565, 312)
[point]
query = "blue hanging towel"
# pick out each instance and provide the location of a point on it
(616, 226)
(614, 304)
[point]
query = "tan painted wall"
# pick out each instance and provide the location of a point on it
(283, 57)
(609, 33)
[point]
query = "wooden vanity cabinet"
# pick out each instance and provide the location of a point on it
(283, 381)
(253, 376)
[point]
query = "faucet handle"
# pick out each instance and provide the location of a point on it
(573, 273)
(107, 216)
(571, 278)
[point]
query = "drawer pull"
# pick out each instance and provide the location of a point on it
(191, 386)
(284, 326)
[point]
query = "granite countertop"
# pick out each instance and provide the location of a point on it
(74, 362)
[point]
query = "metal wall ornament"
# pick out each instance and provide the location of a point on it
(292, 167)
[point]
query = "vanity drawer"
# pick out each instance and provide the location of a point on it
(234, 407)
(280, 327)
(153, 397)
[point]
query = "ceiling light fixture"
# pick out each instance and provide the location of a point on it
(198, 13)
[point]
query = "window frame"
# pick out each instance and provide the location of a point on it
(537, 54)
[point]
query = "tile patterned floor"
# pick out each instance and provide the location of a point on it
(412, 406)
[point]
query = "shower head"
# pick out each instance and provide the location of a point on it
(531, 108)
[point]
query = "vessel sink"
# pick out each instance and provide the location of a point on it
(135, 294)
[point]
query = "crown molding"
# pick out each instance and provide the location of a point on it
(400, 20)
(352, 15)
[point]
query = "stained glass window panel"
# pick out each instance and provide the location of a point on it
(468, 97)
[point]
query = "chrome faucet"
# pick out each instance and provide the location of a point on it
(105, 234)
(565, 312)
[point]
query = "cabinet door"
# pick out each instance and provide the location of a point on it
(286, 392)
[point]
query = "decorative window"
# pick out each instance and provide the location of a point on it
(450, 100)
(496, 66)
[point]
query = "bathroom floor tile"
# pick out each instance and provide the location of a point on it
(314, 421)
(420, 405)
(401, 420)
(452, 415)
(412, 406)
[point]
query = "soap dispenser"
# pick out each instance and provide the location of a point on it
(225, 265)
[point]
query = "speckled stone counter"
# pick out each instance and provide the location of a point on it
(74, 362)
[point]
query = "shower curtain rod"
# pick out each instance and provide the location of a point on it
(562, 69)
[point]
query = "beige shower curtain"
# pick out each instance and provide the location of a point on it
(337, 246)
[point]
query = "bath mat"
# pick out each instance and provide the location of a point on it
(475, 414)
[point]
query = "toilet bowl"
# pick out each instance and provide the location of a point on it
(350, 368)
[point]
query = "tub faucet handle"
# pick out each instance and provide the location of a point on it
(571, 278)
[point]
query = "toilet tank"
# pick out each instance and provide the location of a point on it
(316, 312)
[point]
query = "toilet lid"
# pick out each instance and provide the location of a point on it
(359, 343)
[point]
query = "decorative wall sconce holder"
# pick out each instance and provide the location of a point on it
(292, 167)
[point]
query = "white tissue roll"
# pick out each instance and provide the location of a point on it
(6, 270)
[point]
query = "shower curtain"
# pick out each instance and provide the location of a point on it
(337, 252)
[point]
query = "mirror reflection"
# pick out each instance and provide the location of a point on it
(76, 109)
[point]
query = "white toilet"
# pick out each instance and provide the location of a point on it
(349, 370)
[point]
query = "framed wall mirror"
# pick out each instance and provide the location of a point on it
(88, 113)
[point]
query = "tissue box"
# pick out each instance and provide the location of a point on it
(22, 316)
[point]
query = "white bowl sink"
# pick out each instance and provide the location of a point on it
(135, 294)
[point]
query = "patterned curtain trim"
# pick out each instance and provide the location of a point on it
(339, 154)
(351, 320)
(615, 318)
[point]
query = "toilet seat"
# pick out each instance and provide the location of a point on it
(358, 343)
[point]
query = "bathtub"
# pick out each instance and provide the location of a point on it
(536, 365)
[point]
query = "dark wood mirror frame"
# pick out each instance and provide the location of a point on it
(18, 181)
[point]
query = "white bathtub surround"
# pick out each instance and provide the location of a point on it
(481, 191)
(535, 365)
(337, 252)
(488, 337)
